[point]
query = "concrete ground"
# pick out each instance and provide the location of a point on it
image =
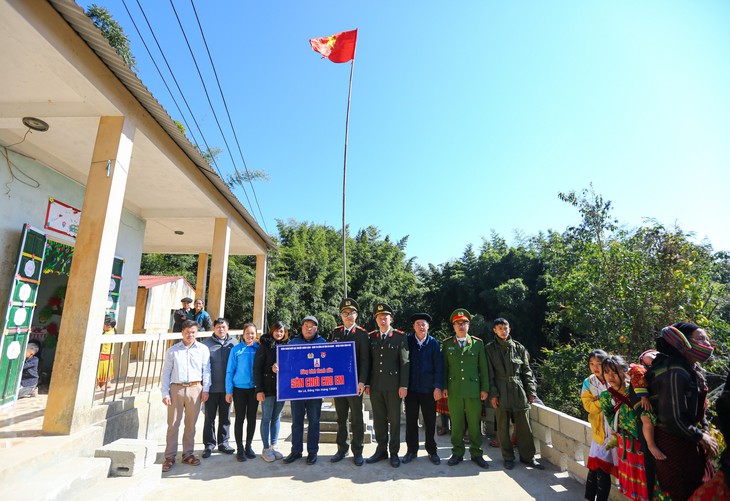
(221, 476)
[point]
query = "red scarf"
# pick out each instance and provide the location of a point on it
(619, 397)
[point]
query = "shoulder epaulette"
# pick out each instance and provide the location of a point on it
(398, 332)
(477, 338)
(360, 328)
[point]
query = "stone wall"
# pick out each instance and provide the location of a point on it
(564, 441)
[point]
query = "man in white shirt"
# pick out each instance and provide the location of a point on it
(185, 386)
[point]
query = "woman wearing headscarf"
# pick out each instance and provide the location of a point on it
(678, 393)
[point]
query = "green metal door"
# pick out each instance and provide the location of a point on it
(19, 312)
(115, 283)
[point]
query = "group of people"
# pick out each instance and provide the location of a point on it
(648, 419)
(188, 312)
(392, 368)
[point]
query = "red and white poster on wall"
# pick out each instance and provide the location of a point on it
(62, 218)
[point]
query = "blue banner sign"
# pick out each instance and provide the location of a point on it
(316, 370)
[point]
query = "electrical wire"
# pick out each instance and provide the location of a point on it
(192, 115)
(210, 103)
(13, 177)
(230, 121)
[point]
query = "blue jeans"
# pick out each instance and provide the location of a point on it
(313, 409)
(270, 420)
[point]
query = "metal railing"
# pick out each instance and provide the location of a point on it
(137, 361)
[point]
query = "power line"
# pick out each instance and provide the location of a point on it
(210, 103)
(225, 105)
(172, 74)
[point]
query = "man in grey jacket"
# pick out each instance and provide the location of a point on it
(220, 345)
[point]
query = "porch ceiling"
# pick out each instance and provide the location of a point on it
(50, 72)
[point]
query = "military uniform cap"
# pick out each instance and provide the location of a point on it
(349, 303)
(382, 308)
(460, 314)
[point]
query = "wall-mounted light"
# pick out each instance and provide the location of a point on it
(35, 124)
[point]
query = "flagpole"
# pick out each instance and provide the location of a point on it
(344, 184)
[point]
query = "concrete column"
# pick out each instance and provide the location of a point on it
(219, 268)
(259, 294)
(74, 371)
(201, 281)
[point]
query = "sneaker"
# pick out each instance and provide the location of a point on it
(268, 455)
(277, 455)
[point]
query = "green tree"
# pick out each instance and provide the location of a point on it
(113, 32)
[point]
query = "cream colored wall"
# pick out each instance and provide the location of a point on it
(22, 203)
(161, 300)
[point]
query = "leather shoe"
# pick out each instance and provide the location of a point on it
(311, 458)
(378, 456)
(206, 453)
(250, 454)
(533, 463)
(240, 457)
(454, 460)
(410, 456)
(508, 464)
(226, 449)
(339, 456)
(435, 459)
(394, 461)
(293, 456)
(480, 462)
(358, 460)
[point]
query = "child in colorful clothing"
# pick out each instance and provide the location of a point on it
(617, 406)
(601, 459)
(637, 374)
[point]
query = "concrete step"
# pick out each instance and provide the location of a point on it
(122, 488)
(22, 461)
(57, 481)
(330, 437)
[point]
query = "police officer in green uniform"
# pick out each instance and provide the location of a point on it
(466, 383)
(350, 331)
(388, 383)
(512, 391)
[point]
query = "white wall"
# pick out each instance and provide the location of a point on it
(21, 201)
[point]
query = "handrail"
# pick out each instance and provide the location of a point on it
(136, 363)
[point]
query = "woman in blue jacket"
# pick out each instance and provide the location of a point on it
(241, 391)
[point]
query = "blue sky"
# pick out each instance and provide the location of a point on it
(466, 118)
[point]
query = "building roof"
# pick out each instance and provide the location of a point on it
(149, 281)
(62, 70)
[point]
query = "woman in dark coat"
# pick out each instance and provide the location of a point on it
(264, 377)
(678, 392)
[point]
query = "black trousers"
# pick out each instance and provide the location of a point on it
(386, 420)
(246, 406)
(353, 407)
(427, 405)
(216, 405)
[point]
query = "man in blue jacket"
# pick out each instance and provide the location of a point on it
(312, 407)
(424, 387)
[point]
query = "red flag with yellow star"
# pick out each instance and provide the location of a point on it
(339, 48)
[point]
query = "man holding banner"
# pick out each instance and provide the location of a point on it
(312, 407)
(350, 331)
